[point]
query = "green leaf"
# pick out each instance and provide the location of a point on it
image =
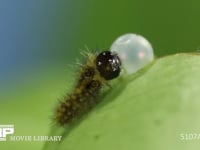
(155, 109)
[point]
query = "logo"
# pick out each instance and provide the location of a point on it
(9, 129)
(5, 130)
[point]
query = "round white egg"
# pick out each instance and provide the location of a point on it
(134, 51)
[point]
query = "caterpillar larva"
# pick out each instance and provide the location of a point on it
(95, 73)
(133, 50)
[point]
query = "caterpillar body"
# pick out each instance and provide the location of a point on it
(95, 73)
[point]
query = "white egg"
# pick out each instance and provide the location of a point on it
(134, 51)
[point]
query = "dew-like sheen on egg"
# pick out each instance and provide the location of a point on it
(134, 51)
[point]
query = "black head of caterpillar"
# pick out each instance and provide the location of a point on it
(93, 75)
(108, 64)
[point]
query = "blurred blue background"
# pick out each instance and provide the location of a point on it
(38, 39)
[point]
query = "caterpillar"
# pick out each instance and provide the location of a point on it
(98, 69)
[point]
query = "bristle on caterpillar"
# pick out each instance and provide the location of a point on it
(95, 73)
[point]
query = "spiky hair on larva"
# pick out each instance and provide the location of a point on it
(97, 70)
